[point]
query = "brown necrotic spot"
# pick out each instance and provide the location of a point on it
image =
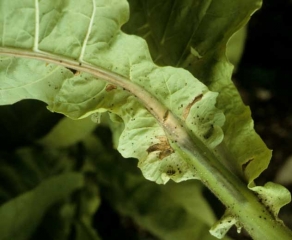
(110, 87)
(163, 147)
(188, 107)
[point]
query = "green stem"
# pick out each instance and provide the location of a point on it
(241, 202)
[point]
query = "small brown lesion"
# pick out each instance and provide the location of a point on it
(163, 147)
(110, 87)
(189, 106)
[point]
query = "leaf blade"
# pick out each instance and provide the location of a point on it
(20, 216)
(115, 55)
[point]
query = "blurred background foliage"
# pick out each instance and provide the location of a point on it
(71, 184)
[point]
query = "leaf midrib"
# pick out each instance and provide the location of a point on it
(157, 109)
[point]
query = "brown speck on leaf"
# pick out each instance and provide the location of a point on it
(110, 87)
(163, 147)
(188, 107)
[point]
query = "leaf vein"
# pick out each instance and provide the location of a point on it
(88, 31)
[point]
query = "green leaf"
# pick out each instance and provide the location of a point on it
(20, 216)
(89, 202)
(23, 171)
(235, 46)
(170, 119)
(184, 33)
(167, 211)
(79, 95)
(274, 196)
(220, 228)
(200, 47)
(68, 132)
